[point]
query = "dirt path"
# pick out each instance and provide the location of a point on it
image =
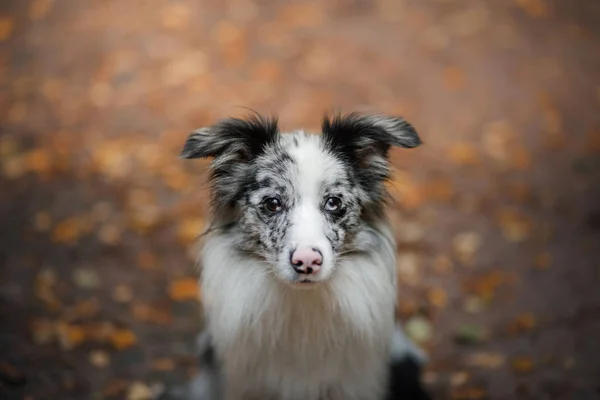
(498, 214)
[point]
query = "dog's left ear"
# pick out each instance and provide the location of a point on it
(239, 138)
(355, 133)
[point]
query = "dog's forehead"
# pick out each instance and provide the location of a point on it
(314, 164)
(301, 160)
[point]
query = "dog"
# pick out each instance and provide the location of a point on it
(298, 274)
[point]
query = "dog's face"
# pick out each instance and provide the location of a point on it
(299, 199)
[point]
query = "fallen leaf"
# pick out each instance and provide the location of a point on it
(110, 234)
(69, 336)
(485, 285)
(39, 8)
(302, 15)
(6, 28)
(469, 334)
(407, 265)
(515, 226)
(122, 293)
(468, 393)
(44, 288)
(405, 190)
(52, 89)
(190, 229)
(522, 364)
(175, 16)
(454, 78)
(459, 378)
(469, 21)
(267, 71)
(535, 8)
(486, 360)
(473, 304)
(150, 314)
(86, 278)
(441, 190)
(99, 358)
(42, 331)
(442, 264)
(463, 154)
(593, 141)
(115, 388)
(521, 160)
(521, 324)
(145, 218)
(498, 139)
(38, 161)
(139, 391)
(184, 289)
(67, 231)
(42, 221)
(163, 364)
(85, 309)
(466, 245)
(437, 297)
(419, 329)
(14, 168)
(123, 338)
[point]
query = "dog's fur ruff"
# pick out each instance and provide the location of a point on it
(277, 334)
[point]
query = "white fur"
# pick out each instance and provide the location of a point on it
(331, 342)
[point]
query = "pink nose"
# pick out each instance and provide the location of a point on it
(306, 260)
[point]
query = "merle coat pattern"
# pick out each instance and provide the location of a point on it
(278, 333)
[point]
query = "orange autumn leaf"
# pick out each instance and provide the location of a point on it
(6, 28)
(521, 324)
(184, 289)
(39, 8)
(38, 160)
(593, 141)
(69, 336)
(67, 231)
(437, 297)
(123, 338)
(463, 154)
(189, 229)
(163, 364)
(175, 16)
(535, 8)
(522, 364)
(454, 78)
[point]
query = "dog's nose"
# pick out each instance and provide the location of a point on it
(306, 260)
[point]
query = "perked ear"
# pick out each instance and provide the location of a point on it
(356, 133)
(244, 138)
(363, 142)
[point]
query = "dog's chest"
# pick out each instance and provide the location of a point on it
(306, 349)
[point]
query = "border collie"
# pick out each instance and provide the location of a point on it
(298, 265)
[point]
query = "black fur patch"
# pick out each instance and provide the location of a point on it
(233, 143)
(405, 381)
(363, 142)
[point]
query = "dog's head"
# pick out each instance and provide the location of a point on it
(299, 199)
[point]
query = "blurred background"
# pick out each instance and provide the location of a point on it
(497, 215)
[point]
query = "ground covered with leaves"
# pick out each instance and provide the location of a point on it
(497, 215)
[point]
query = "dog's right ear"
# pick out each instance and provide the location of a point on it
(244, 138)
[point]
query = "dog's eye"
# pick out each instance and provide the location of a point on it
(272, 204)
(333, 204)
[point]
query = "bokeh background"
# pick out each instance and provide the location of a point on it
(497, 215)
